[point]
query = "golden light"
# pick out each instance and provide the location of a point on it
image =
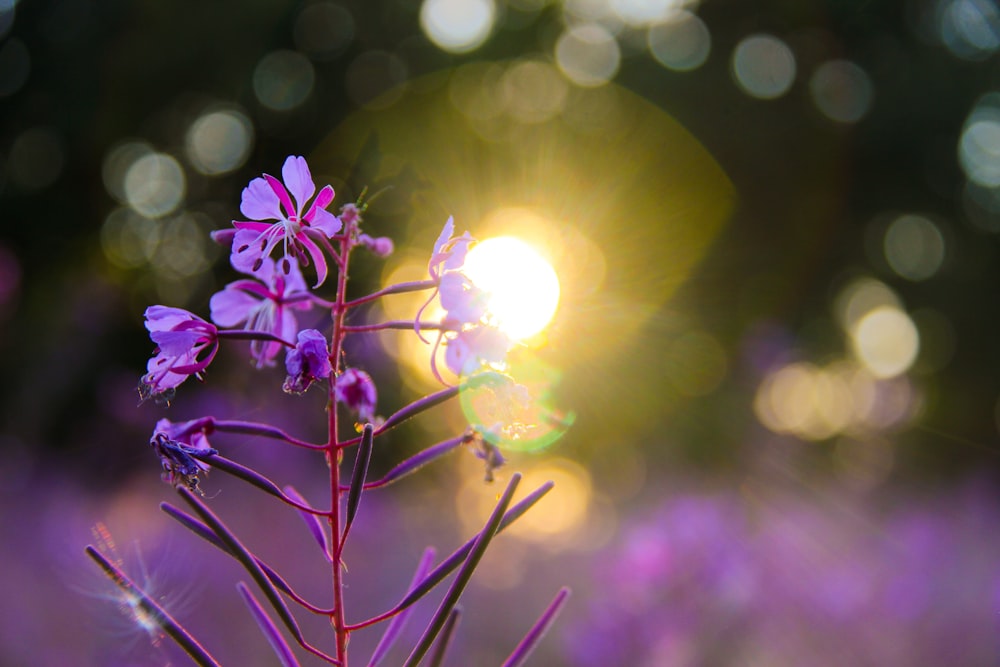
(522, 286)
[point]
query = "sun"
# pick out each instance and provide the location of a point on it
(523, 287)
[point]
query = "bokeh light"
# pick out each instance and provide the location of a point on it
(970, 29)
(219, 141)
(841, 90)
(323, 30)
(457, 26)
(533, 91)
(129, 239)
(885, 340)
(979, 145)
(638, 13)
(375, 79)
(588, 54)
(117, 161)
(283, 80)
(859, 297)
(154, 185)
(763, 66)
(914, 247)
(681, 42)
(522, 286)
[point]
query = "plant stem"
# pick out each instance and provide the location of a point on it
(334, 452)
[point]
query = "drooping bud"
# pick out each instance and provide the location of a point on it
(308, 362)
(356, 390)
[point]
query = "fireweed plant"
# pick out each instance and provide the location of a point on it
(288, 232)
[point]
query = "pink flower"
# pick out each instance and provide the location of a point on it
(458, 295)
(463, 302)
(356, 390)
(471, 349)
(266, 306)
(449, 252)
(186, 345)
(267, 198)
(308, 362)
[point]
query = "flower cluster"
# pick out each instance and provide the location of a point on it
(289, 232)
(471, 343)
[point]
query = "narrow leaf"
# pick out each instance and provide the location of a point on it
(244, 473)
(464, 575)
(204, 532)
(448, 565)
(418, 406)
(419, 460)
(364, 457)
(245, 558)
(537, 631)
(399, 620)
(444, 641)
(270, 630)
(312, 522)
(138, 597)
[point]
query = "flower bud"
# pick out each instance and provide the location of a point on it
(356, 390)
(308, 362)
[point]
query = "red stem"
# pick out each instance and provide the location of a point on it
(334, 453)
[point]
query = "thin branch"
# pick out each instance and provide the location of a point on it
(399, 288)
(263, 430)
(396, 324)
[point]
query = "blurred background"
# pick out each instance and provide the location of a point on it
(775, 226)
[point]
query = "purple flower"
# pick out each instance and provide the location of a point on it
(175, 444)
(471, 349)
(266, 306)
(308, 362)
(464, 303)
(186, 345)
(449, 252)
(356, 390)
(267, 198)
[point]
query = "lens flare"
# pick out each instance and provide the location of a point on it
(523, 287)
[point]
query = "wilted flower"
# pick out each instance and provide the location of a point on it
(267, 306)
(356, 390)
(488, 452)
(186, 345)
(308, 362)
(267, 198)
(175, 444)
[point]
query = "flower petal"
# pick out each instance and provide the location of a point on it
(326, 222)
(176, 343)
(318, 258)
(260, 202)
(446, 232)
(282, 194)
(246, 250)
(164, 318)
(295, 174)
(231, 306)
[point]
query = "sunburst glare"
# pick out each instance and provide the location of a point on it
(523, 287)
